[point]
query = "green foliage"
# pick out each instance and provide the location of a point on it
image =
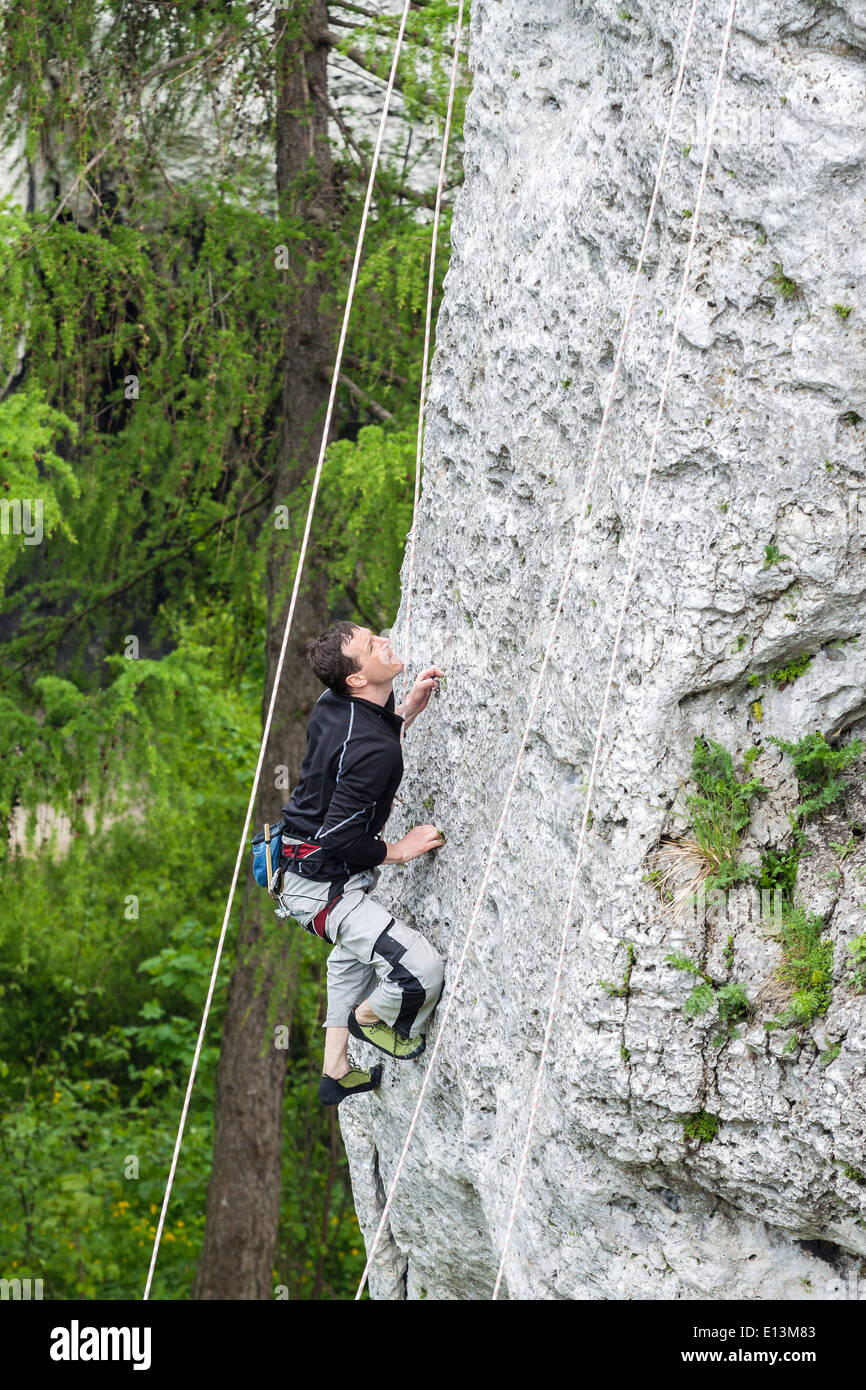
(855, 1174)
(144, 715)
(730, 999)
(366, 496)
(786, 674)
(682, 962)
(31, 472)
(806, 966)
(818, 770)
(700, 1001)
(786, 286)
(177, 285)
(843, 310)
(779, 871)
(829, 1055)
(719, 810)
(857, 977)
(844, 849)
(773, 556)
(99, 1020)
(166, 471)
(702, 1126)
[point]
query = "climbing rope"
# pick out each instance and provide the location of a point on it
(622, 612)
(407, 629)
(303, 551)
(581, 514)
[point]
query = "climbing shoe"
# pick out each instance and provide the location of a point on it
(332, 1091)
(383, 1036)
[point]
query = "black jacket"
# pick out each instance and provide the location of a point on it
(349, 776)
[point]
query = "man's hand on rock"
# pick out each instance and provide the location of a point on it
(415, 843)
(426, 682)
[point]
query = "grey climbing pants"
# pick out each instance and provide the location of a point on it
(375, 956)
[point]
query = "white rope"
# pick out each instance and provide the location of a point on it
(407, 629)
(582, 511)
(242, 846)
(625, 597)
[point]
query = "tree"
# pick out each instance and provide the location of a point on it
(239, 1251)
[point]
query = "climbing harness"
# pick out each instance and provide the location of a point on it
(582, 512)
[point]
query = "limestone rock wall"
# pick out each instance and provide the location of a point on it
(763, 445)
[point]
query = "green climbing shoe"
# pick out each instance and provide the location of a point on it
(332, 1090)
(383, 1036)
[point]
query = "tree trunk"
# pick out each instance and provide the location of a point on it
(240, 1243)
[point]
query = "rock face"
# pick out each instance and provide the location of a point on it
(752, 554)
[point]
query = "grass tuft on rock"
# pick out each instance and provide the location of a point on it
(806, 968)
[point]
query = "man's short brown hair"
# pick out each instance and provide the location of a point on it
(329, 661)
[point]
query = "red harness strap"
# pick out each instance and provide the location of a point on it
(299, 851)
(318, 922)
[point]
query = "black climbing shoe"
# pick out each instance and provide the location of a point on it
(332, 1091)
(383, 1036)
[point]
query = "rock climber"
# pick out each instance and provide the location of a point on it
(384, 977)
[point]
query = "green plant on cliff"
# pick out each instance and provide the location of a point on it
(772, 556)
(819, 768)
(787, 674)
(786, 286)
(857, 950)
(730, 999)
(779, 871)
(702, 1126)
(683, 866)
(806, 968)
(719, 809)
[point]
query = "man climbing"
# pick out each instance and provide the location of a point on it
(384, 977)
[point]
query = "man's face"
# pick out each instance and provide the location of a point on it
(376, 661)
